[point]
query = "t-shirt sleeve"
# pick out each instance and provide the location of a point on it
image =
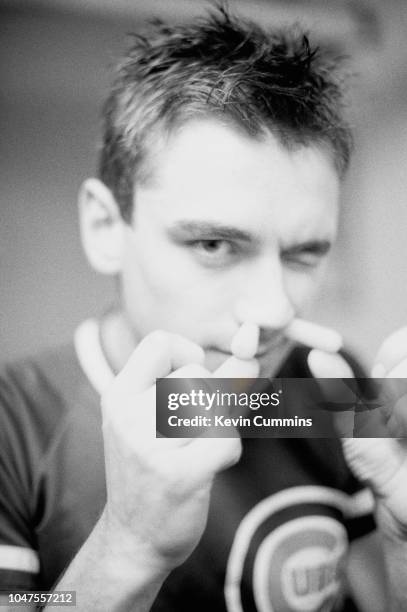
(19, 560)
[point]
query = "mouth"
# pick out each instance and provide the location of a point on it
(263, 350)
(268, 349)
(269, 356)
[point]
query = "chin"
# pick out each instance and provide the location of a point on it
(268, 371)
(270, 364)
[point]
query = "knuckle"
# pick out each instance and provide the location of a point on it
(159, 337)
(193, 370)
(235, 451)
(112, 397)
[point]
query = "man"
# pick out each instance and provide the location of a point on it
(216, 207)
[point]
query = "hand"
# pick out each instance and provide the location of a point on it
(380, 462)
(157, 488)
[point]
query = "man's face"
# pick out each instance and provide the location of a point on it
(230, 230)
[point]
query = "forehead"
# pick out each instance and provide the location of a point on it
(211, 172)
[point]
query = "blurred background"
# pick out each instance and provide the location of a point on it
(55, 65)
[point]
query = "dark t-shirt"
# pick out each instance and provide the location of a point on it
(279, 521)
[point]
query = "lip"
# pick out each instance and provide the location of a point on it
(213, 349)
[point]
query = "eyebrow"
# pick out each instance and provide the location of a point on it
(191, 230)
(199, 229)
(320, 246)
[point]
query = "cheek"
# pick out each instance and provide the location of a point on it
(150, 289)
(170, 292)
(303, 287)
(151, 270)
(172, 274)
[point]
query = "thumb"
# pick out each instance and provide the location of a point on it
(382, 464)
(329, 369)
(378, 461)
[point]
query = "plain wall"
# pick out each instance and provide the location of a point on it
(54, 71)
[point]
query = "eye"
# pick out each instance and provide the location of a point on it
(212, 246)
(215, 251)
(306, 256)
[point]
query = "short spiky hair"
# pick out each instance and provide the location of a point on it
(225, 67)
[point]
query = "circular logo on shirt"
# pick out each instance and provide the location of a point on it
(297, 565)
(292, 564)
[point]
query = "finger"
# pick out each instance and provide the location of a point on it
(206, 456)
(328, 365)
(375, 460)
(397, 423)
(391, 353)
(382, 463)
(237, 368)
(138, 408)
(393, 388)
(399, 370)
(157, 355)
(137, 425)
(192, 370)
(245, 342)
(394, 395)
(325, 367)
(191, 377)
(314, 336)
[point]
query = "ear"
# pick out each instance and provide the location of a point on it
(102, 227)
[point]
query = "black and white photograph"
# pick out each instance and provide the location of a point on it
(203, 305)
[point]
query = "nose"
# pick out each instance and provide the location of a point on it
(264, 299)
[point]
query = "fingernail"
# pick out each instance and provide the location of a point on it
(245, 342)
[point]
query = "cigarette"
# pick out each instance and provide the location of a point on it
(314, 336)
(245, 342)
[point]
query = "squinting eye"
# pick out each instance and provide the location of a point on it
(307, 257)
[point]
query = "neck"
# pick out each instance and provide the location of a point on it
(117, 338)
